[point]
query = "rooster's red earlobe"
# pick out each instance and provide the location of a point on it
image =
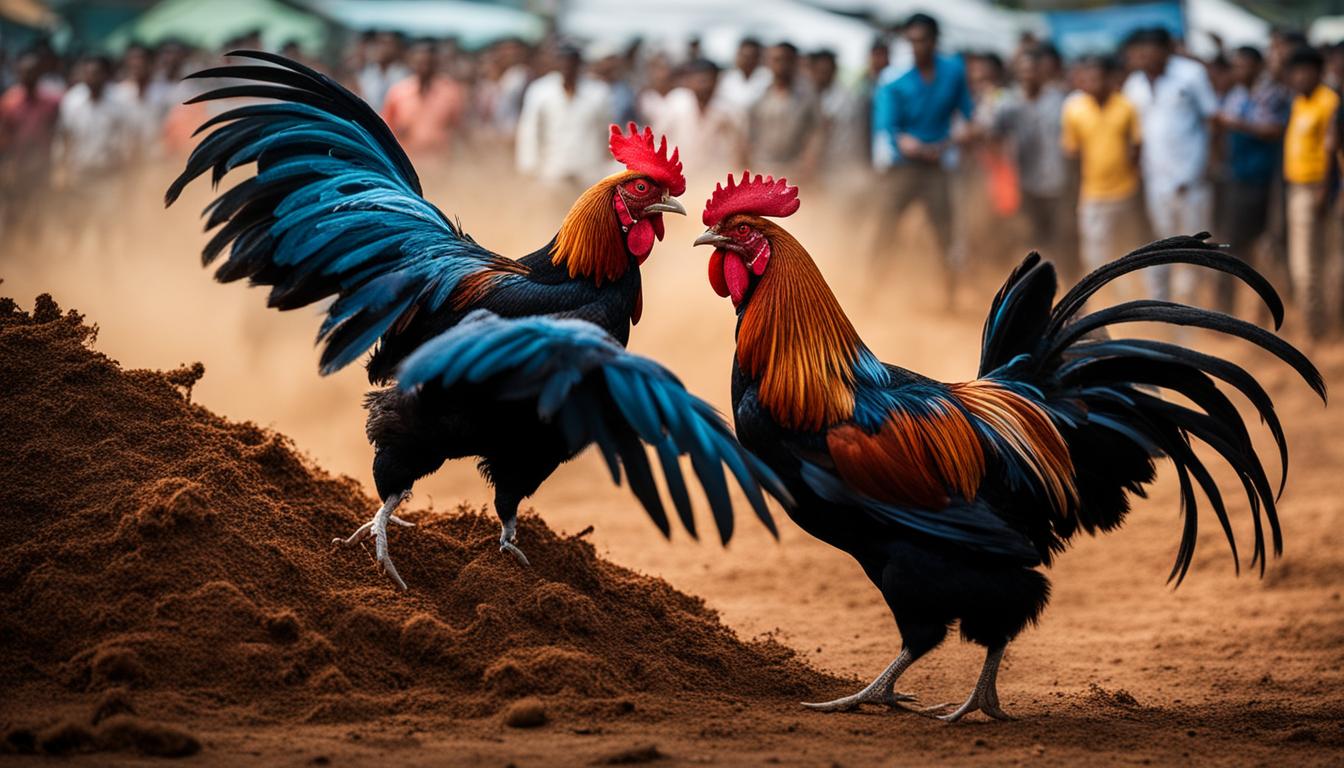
(758, 196)
(637, 152)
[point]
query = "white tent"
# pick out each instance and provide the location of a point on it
(719, 25)
(1326, 30)
(1234, 24)
(963, 24)
(471, 23)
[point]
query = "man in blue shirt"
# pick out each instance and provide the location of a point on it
(912, 138)
(1253, 118)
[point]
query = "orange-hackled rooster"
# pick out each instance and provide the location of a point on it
(951, 496)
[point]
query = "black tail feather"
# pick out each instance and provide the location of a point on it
(1103, 390)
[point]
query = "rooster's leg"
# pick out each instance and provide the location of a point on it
(985, 697)
(507, 536)
(377, 528)
(880, 691)
(506, 507)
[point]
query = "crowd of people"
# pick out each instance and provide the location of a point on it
(1081, 160)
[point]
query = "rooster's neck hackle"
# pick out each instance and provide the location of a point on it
(590, 243)
(795, 340)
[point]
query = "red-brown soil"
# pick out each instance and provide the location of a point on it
(163, 561)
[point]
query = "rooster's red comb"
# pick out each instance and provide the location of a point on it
(759, 196)
(637, 152)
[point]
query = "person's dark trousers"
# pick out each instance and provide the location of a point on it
(1243, 219)
(928, 184)
(1045, 230)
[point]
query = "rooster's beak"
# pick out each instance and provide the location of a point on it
(668, 204)
(712, 238)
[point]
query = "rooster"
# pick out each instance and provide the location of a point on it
(519, 363)
(951, 496)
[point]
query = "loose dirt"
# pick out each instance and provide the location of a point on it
(160, 559)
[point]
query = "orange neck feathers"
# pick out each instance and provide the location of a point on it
(796, 341)
(590, 243)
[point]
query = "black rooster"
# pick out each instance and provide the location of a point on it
(518, 362)
(951, 495)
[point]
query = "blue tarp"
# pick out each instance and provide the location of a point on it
(1100, 31)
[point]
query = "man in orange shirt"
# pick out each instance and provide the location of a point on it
(424, 109)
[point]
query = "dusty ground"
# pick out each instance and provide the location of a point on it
(1123, 670)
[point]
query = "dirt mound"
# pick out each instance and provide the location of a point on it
(181, 562)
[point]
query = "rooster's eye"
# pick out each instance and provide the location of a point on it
(641, 187)
(743, 229)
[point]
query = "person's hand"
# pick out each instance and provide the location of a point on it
(1319, 199)
(911, 147)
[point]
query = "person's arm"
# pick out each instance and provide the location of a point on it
(817, 130)
(1070, 142)
(885, 120)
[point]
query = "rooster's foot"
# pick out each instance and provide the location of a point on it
(377, 528)
(508, 535)
(985, 697)
(881, 691)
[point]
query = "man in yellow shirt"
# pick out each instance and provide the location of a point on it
(1306, 163)
(1100, 128)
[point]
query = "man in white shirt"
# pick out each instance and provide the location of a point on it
(694, 121)
(744, 84)
(563, 127)
(148, 100)
(95, 137)
(95, 130)
(1175, 102)
(385, 71)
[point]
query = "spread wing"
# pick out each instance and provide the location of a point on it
(334, 210)
(584, 381)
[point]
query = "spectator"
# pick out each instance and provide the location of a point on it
(28, 115)
(1101, 129)
(1252, 118)
(744, 84)
(695, 122)
(95, 131)
(1306, 163)
(658, 84)
(912, 138)
(609, 67)
(1051, 66)
(783, 125)
(844, 118)
(1175, 102)
(562, 131)
(425, 109)
(515, 64)
(879, 59)
(146, 97)
(93, 146)
(383, 70)
(1031, 122)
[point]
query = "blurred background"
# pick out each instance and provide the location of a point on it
(934, 144)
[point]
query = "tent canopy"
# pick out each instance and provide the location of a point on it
(962, 24)
(473, 24)
(210, 25)
(719, 28)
